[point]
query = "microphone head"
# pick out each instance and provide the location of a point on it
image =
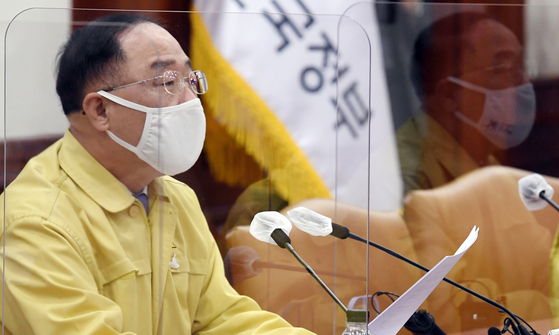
(493, 331)
(310, 222)
(264, 223)
(530, 188)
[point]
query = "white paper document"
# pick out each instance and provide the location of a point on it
(395, 316)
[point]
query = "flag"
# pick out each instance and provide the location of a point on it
(300, 87)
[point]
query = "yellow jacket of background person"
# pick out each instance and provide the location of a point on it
(82, 257)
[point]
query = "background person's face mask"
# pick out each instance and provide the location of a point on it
(508, 114)
(172, 138)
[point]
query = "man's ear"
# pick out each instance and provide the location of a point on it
(94, 108)
(448, 95)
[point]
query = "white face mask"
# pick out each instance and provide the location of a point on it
(508, 114)
(172, 138)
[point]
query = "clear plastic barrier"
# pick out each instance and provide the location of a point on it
(278, 95)
(75, 237)
(407, 122)
(473, 106)
(258, 118)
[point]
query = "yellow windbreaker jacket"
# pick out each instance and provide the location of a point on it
(82, 257)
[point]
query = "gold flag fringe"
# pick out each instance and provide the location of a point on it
(229, 163)
(234, 105)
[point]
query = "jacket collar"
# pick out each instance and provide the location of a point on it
(448, 152)
(102, 186)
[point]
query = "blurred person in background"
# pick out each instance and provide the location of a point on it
(467, 70)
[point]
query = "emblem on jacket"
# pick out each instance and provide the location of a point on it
(173, 263)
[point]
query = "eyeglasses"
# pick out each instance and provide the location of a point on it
(174, 82)
(515, 71)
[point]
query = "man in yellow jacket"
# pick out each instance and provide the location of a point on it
(98, 239)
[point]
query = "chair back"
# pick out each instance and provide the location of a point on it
(509, 263)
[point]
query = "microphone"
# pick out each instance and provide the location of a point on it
(423, 323)
(311, 222)
(271, 227)
(316, 224)
(496, 331)
(535, 192)
(243, 262)
(274, 228)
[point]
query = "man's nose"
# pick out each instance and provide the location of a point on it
(187, 94)
(516, 73)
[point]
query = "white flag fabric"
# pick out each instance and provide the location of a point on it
(274, 87)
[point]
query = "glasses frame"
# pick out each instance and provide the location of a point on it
(503, 68)
(180, 75)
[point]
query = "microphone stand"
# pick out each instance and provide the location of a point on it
(549, 201)
(352, 315)
(284, 242)
(520, 330)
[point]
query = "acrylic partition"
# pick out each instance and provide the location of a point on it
(271, 141)
(278, 84)
(384, 117)
(74, 238)
(472, 91)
